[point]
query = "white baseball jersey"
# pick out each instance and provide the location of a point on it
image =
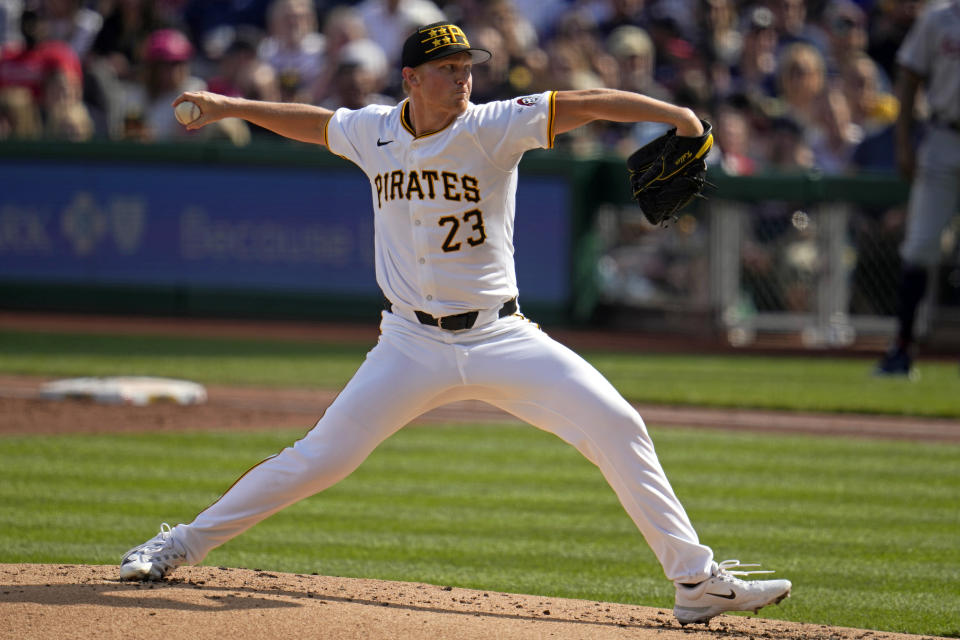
(444, 202)
(932, 50)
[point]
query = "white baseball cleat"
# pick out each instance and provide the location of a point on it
(723, 591)
(153, 559)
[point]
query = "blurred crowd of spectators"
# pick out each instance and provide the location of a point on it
(788, 83)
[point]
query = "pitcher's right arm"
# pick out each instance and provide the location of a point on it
(303, 122)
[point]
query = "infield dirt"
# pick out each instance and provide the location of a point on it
(55, 602)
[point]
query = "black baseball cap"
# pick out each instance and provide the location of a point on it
(438, 40)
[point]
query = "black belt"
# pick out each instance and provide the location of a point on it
(459, 321)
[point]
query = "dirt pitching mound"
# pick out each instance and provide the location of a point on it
(55, 602)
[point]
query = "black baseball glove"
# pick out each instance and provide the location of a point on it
(669, 172)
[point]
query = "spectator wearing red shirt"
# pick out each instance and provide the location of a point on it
(31, 63)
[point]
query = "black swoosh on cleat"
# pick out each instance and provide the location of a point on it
(380, 142)
(729, 596)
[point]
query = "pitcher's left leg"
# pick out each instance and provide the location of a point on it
(542, 382)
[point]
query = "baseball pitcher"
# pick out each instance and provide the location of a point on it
(443, 180)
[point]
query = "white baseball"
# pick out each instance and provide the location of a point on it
(186, 112)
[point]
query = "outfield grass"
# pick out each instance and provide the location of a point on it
(813, 383)
(867, 530)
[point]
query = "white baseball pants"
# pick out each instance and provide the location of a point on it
(934, 196)
(509, 363)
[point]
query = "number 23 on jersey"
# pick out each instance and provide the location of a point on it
(475, 233)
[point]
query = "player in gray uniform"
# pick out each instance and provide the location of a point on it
(929, 55)
(443, 177)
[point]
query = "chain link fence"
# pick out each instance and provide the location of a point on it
(820, 267)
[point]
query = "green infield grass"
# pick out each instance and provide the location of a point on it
(865, 529)
(811, 383)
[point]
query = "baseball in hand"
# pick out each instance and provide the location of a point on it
(186, 112)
